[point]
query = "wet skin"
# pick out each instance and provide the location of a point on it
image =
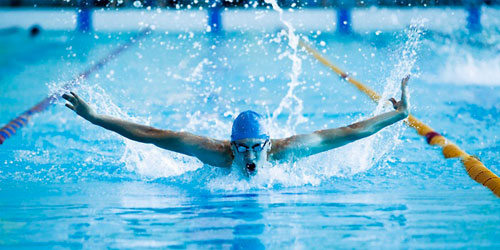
(252, 159)
(224, 153)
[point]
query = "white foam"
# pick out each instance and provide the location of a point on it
(370, 151)
(151, 162)
(465, 69)
(346, 161)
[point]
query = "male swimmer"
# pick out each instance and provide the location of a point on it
(250, 145)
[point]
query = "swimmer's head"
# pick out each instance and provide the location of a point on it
(250, 142)
(249, 124)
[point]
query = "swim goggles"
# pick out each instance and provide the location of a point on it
(255, 148)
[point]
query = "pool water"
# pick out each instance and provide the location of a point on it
(65, 183)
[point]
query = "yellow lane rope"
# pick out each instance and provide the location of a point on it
(475, 168)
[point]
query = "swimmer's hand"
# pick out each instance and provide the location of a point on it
(79, 106)
(402, 105)
(207, 150)
(322, 140)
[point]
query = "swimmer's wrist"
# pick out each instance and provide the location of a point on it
(402, 113)
(93, 118)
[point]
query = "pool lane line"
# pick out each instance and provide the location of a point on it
(20, 121)
(474, 167)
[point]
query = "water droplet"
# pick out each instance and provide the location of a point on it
(137, 4)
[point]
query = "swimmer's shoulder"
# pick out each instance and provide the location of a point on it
(294, 147)
(218, 153)
(279, 149)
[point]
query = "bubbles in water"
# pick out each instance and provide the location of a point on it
(137, 4)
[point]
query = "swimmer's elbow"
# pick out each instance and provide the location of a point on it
(148, 135)
(165, 139)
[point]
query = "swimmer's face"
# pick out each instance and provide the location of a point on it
(250, 154)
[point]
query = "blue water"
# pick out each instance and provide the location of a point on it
(65, 183)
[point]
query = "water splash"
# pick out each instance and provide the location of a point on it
(319, 168)
(150, 162)
(369, 151)
(147, 160)
(463, 68)
(290, 102)
(362, 155)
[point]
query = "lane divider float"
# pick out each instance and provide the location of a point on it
(474, 167)
(20, 121)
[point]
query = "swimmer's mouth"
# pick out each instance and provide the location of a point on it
(251, 168)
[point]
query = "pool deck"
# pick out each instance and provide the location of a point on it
(363, 19)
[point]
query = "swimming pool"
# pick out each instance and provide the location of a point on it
(66, 183)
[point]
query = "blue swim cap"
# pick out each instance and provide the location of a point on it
(249, 124)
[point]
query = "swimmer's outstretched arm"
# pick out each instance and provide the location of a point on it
(322, 140)
(209, 151)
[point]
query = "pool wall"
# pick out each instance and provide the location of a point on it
(363, 19)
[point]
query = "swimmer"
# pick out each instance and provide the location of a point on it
(250, 145)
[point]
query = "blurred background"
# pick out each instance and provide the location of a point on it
(65, 183)
(242, 3)
(341, 15)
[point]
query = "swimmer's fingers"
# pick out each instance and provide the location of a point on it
(69, 98)
(80, 107)
(402, 105)
(76, 96)
(404, 84)
(70, 106)
(405, 80)
(394, 103)
(75, 103)
(74, 99)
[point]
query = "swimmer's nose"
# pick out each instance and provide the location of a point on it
(250, 155)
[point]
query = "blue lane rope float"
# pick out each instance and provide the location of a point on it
(20, 121)
(474, 167)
